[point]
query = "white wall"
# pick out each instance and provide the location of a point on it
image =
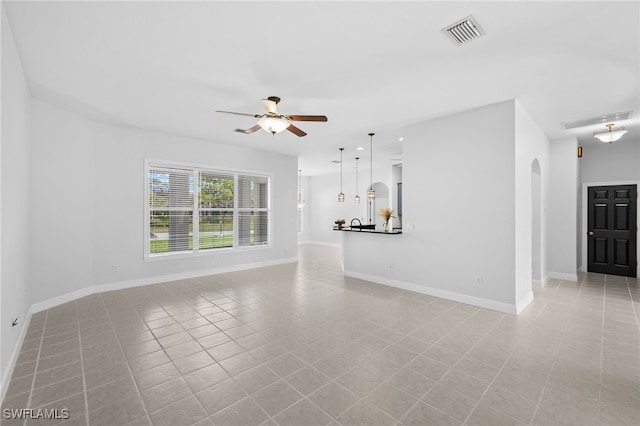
(62, 202)
(611, 162)
(88, 203)
(459, 204)
(563, 207)
(14, 197)
(531, 144)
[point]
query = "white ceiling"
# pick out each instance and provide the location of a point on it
(368, 66)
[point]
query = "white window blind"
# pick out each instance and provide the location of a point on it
(193, 210)
(170, 210)
(253, 203)
(215, 212)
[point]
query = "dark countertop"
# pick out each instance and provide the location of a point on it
(367, 231)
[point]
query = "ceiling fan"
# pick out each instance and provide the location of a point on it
(273, 122)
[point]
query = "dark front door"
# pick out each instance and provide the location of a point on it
(612, 230)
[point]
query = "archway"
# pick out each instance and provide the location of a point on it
(536, 224)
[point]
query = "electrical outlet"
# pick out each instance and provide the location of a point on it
(478, 279)
(114, 268)
(391, 266)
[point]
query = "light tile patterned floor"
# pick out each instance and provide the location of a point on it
(302, 345)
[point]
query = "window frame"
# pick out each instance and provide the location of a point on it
(195, 170)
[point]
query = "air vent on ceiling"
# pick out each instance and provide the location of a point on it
(464, 31)
(602, 119)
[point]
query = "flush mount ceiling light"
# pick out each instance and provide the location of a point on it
(341, 194)
(610, 135)
(464, 31)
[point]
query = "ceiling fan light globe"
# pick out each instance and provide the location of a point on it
(273, 124)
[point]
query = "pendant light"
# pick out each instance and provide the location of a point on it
(301, 202)
(357, 199)
(341, 194)
(371, 193)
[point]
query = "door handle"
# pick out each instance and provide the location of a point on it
(590, 233)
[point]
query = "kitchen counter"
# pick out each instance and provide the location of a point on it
(366, 231)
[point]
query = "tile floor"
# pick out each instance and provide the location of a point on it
(299, 344)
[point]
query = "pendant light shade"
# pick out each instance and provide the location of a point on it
(301, 202)
(611, 135)
(341, 194)
(371, 193)
(357, 199)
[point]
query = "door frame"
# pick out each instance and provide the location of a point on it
(585, 223)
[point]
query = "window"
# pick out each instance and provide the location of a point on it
(198, 210)
(253, 201)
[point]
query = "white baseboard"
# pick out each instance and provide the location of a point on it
(188, 275)
(563, 276)
(522, 303)
(119, 285)
(444, 294)
(536, 283)
(6, 377)
(60, 300)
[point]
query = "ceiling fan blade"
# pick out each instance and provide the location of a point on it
(240, 113)
(249, 130)
(307, 117)
(270, 106)
(296, 131)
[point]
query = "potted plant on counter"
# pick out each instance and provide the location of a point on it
(387, 214)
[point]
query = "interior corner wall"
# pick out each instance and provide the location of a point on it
(458, 213)
(88, 203)
(563, 209)
(15, 150)
(531, 144)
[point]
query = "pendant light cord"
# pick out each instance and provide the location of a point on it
(357, 158)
